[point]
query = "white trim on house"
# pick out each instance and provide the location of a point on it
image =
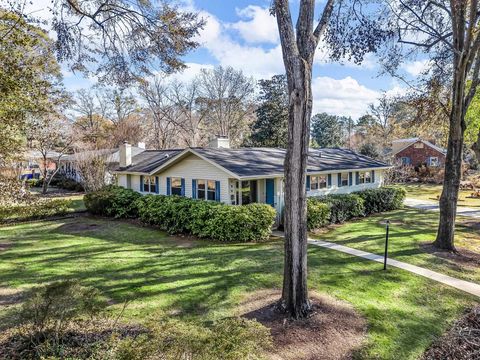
(414, 141)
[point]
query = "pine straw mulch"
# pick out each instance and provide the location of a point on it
(82, 339)
(461, 342)
(334, 331)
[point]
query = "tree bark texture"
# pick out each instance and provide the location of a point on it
(298, 48)
(453, 169)
(466, 44)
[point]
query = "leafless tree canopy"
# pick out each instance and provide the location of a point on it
(122, 39)
(226, 98)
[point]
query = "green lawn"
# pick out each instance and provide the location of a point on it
(409, 230)
(197, 279)
(432, 192)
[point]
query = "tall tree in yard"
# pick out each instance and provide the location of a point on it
(298, 49)
(270, 127)
(447, 33)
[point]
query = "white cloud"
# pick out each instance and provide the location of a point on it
(257, 26)
(192, 70)
(341, 97)
(416, 68)
(256, 61)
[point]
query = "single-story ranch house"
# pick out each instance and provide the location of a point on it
(244, 175)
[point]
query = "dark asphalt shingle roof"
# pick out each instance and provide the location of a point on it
(149, 160)
(246, 162)
(268, 161)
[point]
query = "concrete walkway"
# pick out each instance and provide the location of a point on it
(466, 286)
(433, 206)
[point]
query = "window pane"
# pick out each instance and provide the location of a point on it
(176, 186)
(367, 177)
(176, 182)
(211, 185)
(201, 184)
(201, 194)
(146, 184)
(245, 192)
(322, 182)
(211, 195)
(313, 183)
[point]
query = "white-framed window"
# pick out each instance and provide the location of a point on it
(344, 179)
(364, 177)
(176, 186)
(405, 160)
(149, 184)
(206, 190)
(318, 182)
(433, 161)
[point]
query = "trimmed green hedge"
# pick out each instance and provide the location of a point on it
(177, 214)
(318, 213)
(382, 199)
(343, 206)
(338, 208)
(207, 219)
(112, 200)
(34, 211)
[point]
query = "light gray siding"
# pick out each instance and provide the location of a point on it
(335, 189)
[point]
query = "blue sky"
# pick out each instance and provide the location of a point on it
(242, 34)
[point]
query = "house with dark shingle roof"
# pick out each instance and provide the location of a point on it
(244, 175)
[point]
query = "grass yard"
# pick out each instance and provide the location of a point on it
(432, 192)
(163, 275)
(409, 230)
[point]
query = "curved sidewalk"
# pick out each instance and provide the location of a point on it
(466, 286)
(469, 287)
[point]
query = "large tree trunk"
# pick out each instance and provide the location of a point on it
(453, 167)
(295, 294)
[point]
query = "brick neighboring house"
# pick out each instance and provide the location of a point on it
(417, 152)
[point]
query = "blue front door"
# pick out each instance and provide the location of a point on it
(270, 192)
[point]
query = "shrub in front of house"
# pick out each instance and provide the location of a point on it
(252, 222)
(207, 219)
(36, 210)
(343, 207)
(114, 201)
(318, 213)
(386, 198)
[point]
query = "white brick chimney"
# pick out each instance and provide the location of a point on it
(220, 142)
(125, 155)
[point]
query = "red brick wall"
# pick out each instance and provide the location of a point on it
(420, 156)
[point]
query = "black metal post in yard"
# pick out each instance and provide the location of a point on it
(386, 246)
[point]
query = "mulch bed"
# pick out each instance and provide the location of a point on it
(462, 256)
(461, 342)
(334, 331)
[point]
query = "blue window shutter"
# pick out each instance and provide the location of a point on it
(141, 182)
(194, 189)
(339, 180)
(350, 179)
(157, 183)
(308, 182)
(373, 176)
(217, 190)
(182, 191)
(357, 178)
(329, 183)
(168, 186)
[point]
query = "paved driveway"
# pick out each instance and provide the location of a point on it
(433, 206)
